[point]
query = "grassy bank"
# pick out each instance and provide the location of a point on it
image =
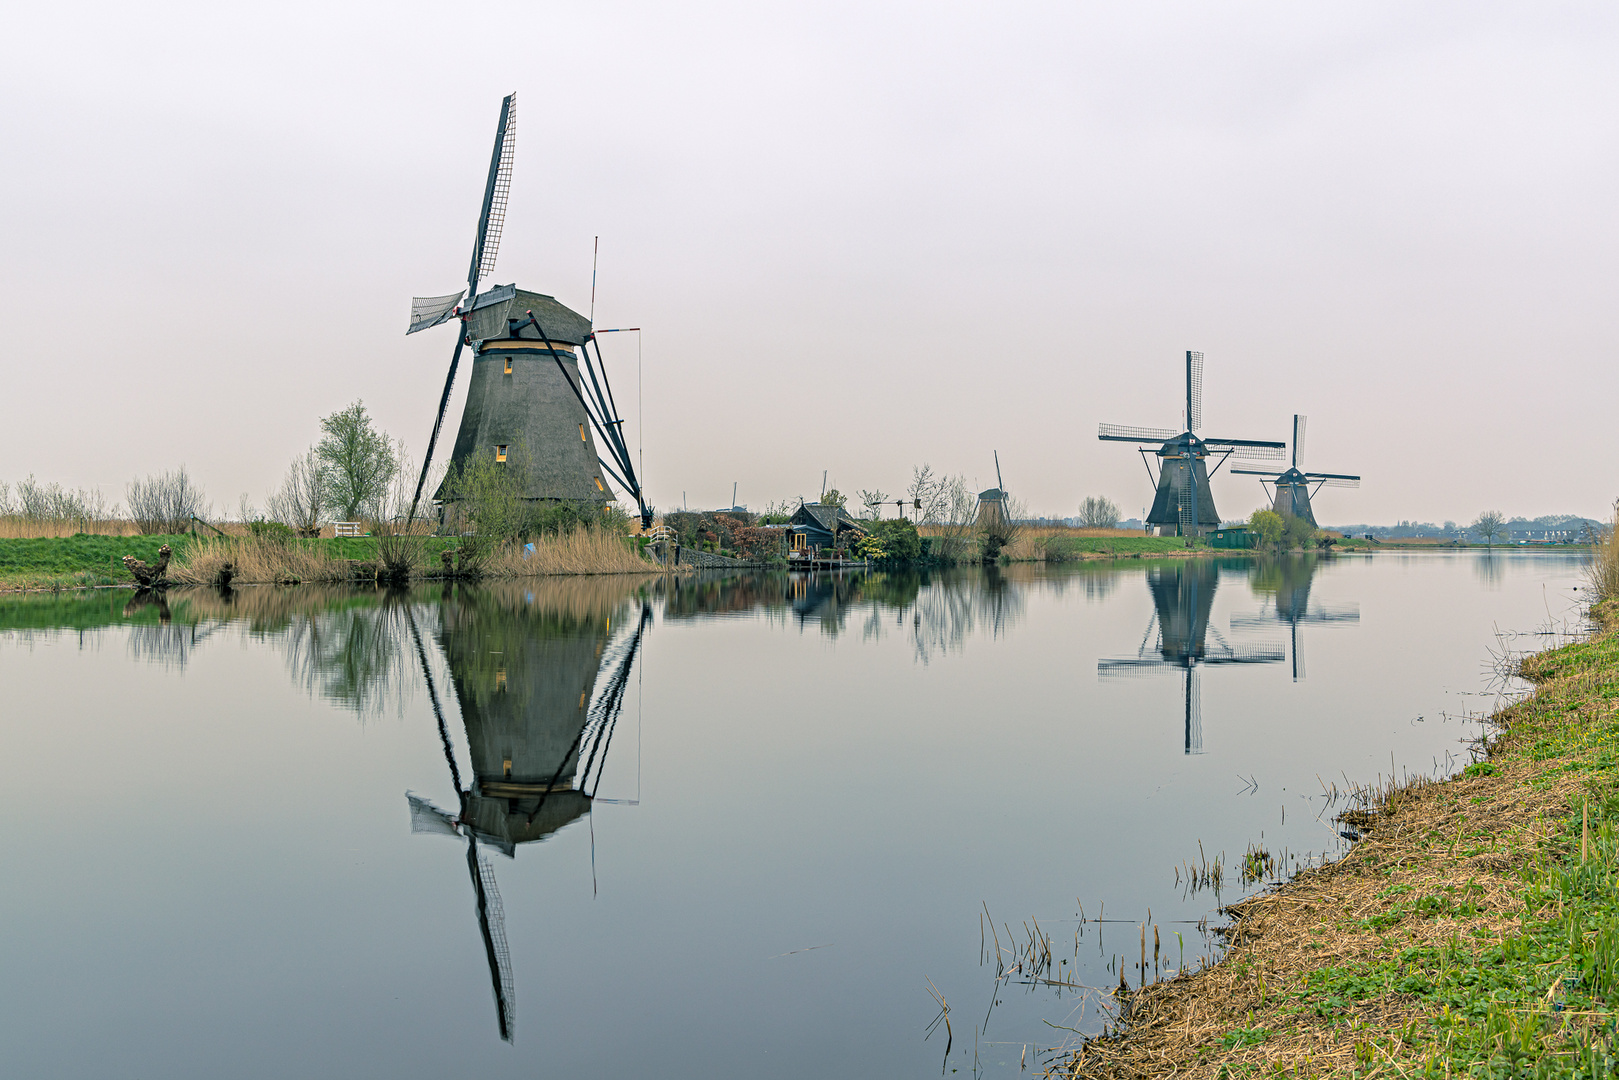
(1474, 931)
(77, 562)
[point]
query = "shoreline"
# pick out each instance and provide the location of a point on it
(1474, 926)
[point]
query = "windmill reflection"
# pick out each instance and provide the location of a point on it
(1183, 597)
(1287, 583)
(539, 691)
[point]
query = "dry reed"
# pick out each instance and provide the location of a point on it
(256, 560)
(24, 528)
(1603, 570)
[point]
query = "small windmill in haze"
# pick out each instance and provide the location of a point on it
(1290, 490)
(1184, 504)
(538, 401)
(995, 505)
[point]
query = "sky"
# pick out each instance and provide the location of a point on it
(858, 237)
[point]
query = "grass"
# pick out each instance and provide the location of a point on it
(76, 562)
(1473, 932)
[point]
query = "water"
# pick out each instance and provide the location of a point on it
(806, 795)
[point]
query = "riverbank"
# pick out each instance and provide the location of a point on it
(91, 561)
(1473, 930)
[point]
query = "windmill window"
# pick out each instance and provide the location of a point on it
(599, 486)
(506, 768)
(581, 433)
(508, 365)
(500, 452)
(500, 678)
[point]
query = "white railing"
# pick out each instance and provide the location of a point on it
(348, 528)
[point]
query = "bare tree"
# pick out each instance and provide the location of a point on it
(926, 492)
(1098, 512)
(873, 502)
(167, 502)
(301, 500)
(1489, 525)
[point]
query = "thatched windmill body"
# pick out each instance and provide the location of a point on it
(539, 716)
(1291, 490)
(538, 401)
(1184, 503)
(994, 505)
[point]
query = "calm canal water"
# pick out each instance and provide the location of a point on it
(705, 828)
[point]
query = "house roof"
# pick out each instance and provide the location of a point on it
(828, 518)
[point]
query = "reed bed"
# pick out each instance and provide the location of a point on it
(17, 527)
(1603, 571)
(581, 551)
(269, 560)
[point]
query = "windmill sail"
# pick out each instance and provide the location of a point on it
(428, 311)
(491, 217)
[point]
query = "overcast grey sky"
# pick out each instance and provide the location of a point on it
(859, 236)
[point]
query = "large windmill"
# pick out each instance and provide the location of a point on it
(539, 716)
(1182, 598)
(1290, 489)
(1184, 505)
(538, 401)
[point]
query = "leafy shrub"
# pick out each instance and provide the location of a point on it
(898, 538)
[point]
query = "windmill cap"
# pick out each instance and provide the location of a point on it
(493, 311)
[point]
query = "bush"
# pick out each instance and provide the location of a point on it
(1267, 526)
(271, 530)
(166, 503)
(899, 540)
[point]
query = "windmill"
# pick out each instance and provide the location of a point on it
(1184, 505)
(537, 754)
(1182, 598)
(994, 505)
(1290, 490)
(538, 402)
(1288, 581)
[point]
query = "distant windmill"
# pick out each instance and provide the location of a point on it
(1290, 603)
(537, 756)
(1290, 490)
(1184, 505)
(994, 505)
(1182, 598)
(528, 405)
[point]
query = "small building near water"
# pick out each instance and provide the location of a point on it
(1239, 536)
(816, 525)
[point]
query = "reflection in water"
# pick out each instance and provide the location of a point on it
(1285, 582)
(1182, 597)
(938, 611)
(1490, 568)
(539, 689)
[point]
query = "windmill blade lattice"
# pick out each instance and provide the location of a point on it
(1194, 390)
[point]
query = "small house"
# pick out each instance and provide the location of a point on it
(1239, 536)
(815, 525)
